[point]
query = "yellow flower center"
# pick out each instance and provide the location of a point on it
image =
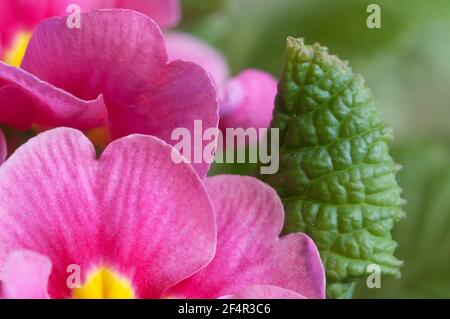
(14, 55)
(104, 284)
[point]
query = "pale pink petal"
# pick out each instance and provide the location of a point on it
(159, 224)
(121, 54)
(22, 93)
(182, 46)
(25, 275)
(47, 203)
(3, 147)
(264, 292)
(249, 251)
(249, 101)
(134, 210)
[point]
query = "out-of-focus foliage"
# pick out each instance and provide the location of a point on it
(207, 19)
(423, 237)
(196, 9)
(406, 63)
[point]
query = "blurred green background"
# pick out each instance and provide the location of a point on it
(406, 64)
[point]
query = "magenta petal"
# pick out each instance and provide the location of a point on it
(249, 251)
(16, 107)
(115, 53)
(23, 95)
(8, 22)
(25, 14)
(134, 210)
(249, 101)
(182, 95)
(3, 147)
(19, 15)
(167, 13)
(25, 275)
(182, 46)
(121, 54)
(264, 292)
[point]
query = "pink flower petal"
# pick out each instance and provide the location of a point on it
(26, 14)
(167, 13)
(47, 203)
(245, 101)
(121, 54)
(7, 24)
(264, 292)
(134, 210)
(249, 251)
(115, 52)
(182, 46)
(159, 222)
(249, 101)
(182, 95)
(3, 147)
(25, 99)
(25, 275)
(21, 115)
(18, 16)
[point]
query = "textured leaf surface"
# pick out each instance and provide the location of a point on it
(336, 178)
(423, 237)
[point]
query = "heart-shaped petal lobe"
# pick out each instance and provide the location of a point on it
(249, 250)
(121, 55)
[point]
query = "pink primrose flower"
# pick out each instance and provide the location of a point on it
(112, 73)
(23, 15)
(133, 224)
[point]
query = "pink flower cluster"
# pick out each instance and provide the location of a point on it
(160, 229)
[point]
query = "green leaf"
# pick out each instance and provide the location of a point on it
(247, 168)
(336, 178)
(424, 236)
(196, 8)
